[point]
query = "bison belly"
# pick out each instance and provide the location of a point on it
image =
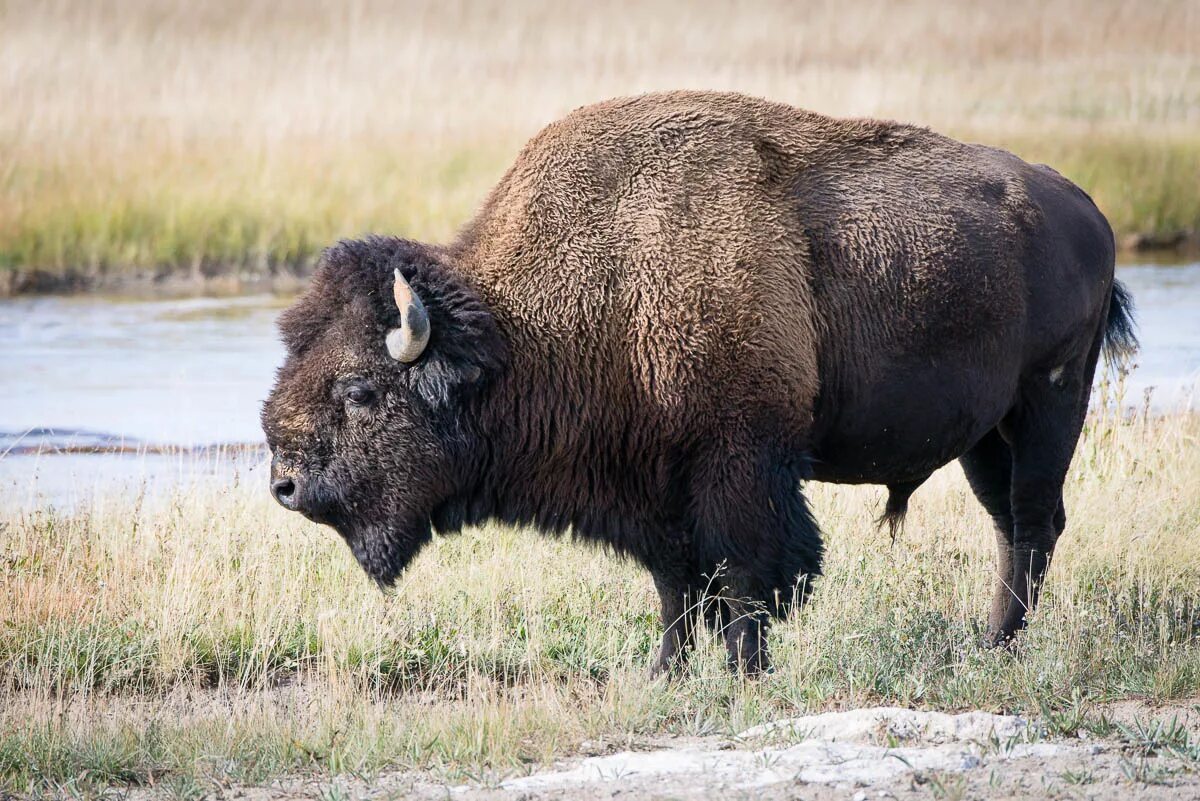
(904, 426)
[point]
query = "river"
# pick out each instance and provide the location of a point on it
(167, 380)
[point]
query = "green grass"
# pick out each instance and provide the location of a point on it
(1143, 185)
(203, 637)
(203, 218)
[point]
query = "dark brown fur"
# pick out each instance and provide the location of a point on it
(672, 310)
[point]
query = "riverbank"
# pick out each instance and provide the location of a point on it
(164, 241)
(205, 227)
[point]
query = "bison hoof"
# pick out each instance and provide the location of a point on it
(751, 672)
(750, 668)
(999, 639)
(668, 667)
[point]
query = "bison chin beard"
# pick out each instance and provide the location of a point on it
(385, 551)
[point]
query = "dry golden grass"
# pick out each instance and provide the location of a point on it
(180, 134)
(206, 637)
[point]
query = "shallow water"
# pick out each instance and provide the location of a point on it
(159, 380)
(1167, 303)
(165, 379)
(169, 372)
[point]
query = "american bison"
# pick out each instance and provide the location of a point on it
(672, 311)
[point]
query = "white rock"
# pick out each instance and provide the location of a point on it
(838, 748)
(903, 724)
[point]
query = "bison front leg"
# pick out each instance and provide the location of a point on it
(741, 620)
(681, 610)
(746, 646)
(745, 635)
(753, 526)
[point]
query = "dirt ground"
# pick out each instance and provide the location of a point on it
(883, 753)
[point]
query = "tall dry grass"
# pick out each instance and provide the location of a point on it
(179, 134)
(205, 636)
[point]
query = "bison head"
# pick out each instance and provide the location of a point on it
(373, 422)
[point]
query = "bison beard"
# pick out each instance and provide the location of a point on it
(676, 308)
(384, 552)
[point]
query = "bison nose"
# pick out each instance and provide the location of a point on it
(284, 490)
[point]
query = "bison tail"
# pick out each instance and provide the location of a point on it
(1120, 337)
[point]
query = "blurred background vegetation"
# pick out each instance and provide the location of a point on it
(239, 138)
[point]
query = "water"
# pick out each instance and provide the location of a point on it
(184, 372)
(164, 381)
(1167, 300)
(167, 380)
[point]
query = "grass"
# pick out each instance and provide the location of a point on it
(167, 137)
(199, 638)
(170, 219)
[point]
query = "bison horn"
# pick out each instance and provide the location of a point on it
(406, 343)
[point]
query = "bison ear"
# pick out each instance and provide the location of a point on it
(466, 351)
(440, 383)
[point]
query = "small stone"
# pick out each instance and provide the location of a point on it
(861, 795)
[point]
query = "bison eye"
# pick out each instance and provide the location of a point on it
(359, 395)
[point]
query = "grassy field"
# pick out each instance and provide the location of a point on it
(193, 640)
(156, 138)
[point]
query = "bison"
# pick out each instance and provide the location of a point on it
(675, 309)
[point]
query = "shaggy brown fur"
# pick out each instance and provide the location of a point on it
(675, 307)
